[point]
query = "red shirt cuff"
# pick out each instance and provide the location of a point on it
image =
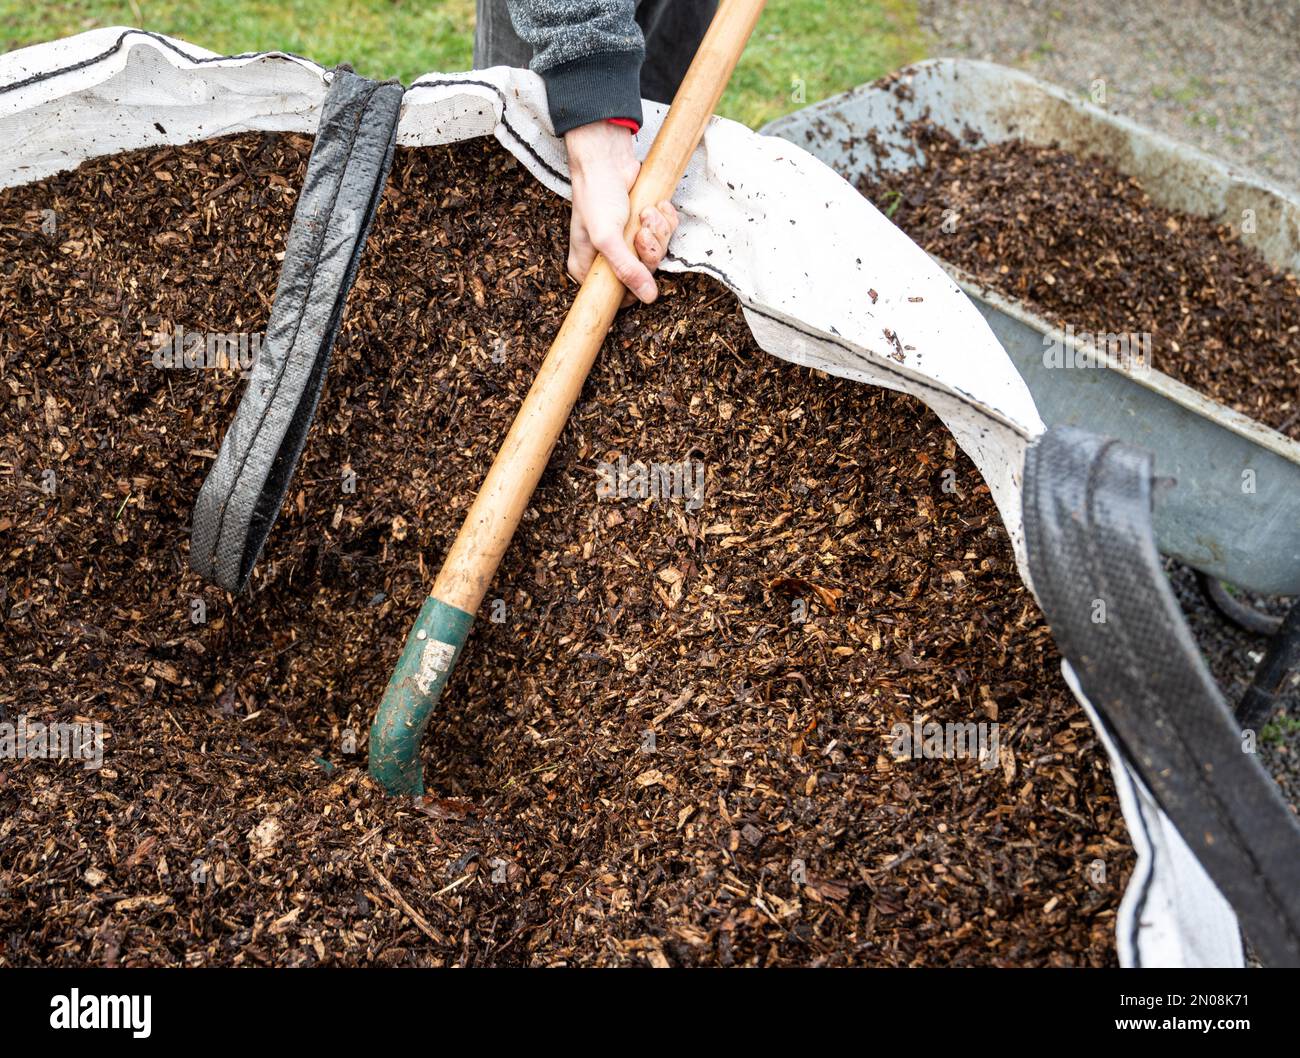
(626, 123)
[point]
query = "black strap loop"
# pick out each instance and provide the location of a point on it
(245, 488)
(1097, 574)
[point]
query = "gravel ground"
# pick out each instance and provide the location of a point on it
(1232, 655)
(1223, 75)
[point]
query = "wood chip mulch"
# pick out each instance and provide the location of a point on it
(1082, 244)
(649, 759)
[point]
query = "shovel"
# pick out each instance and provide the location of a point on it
(443, 624)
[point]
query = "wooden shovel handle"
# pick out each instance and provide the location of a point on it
(442, 626)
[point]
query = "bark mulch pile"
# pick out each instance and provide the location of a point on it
(647, 759)
(1083, 245)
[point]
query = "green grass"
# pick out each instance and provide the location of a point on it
(802, 51)
(805, 50)
(380, 38)
(1276, 731)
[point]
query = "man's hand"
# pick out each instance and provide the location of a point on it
(604, 168)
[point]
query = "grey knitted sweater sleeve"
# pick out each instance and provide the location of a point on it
(589, 53)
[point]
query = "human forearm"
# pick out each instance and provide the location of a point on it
(589, 53)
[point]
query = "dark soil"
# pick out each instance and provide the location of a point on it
(1083, 245)
(764, 823)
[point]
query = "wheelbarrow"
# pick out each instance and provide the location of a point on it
(1209, 522)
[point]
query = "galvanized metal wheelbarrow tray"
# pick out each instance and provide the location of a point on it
(1235, 510)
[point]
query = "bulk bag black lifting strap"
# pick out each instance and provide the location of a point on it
(349, 165)
(1095, 568)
